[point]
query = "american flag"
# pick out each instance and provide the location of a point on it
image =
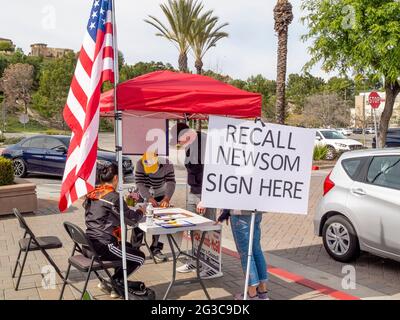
(81, 113)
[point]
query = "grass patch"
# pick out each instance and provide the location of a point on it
(13, 125)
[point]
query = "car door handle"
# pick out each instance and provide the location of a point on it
(359, 192)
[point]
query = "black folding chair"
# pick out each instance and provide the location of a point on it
(86, 260)
(32, 243)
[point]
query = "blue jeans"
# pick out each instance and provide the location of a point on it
(241, 233)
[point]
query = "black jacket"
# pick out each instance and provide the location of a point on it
(195, 164)
(102, 217)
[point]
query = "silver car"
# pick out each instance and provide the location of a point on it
(360, 209)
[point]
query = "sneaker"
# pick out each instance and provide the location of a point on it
(104, 287)
(159, 256)
(187, 267)
(263, 295)
(208, 273)
(108, 290)
(114, 294)
(240, 296)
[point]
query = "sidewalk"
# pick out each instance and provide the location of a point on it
(283, 285)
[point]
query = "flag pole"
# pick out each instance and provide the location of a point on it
(118, 148)
(249, 254)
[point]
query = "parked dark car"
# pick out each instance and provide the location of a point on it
(357, 131)
(392, 139)
(46, 154)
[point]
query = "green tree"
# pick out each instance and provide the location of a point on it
(16, 83)
(19, 57)
(180, 15)
(283, 15)
(358, 36)
(267, 89)
(6, 46)
(132, 71)
(217, 76)
(205, 34)
(301, 86)
(4, 62)
(55, 81)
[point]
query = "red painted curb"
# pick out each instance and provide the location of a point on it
(315, 168)
(339, 295)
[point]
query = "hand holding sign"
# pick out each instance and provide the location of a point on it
(251, 167)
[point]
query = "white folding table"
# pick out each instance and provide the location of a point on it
(199, 223)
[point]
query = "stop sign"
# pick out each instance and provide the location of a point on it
(374, 100)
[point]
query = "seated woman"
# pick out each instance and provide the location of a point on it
(103, 223)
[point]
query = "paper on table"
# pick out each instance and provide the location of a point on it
(175, 224)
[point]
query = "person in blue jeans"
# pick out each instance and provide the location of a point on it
(240, 224)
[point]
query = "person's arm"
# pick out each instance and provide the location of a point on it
(225, 215)
(170, 182)
(140, 179)
(132, 217)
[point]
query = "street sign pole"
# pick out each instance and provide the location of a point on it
(375, 100)
(376, 129)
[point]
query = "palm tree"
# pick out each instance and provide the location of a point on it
(283, 15)
(181, 15)
(205, 34)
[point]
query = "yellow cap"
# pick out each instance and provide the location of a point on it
(150, 163)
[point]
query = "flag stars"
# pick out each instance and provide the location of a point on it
(92, 26)
(94, 14)
(97, 3)
(102, 11)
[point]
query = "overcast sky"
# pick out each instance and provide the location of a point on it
(250, 49)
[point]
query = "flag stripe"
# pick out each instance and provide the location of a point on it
(95, 66)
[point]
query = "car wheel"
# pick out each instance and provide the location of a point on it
(340, 239)
(331, 154)
(20, 169)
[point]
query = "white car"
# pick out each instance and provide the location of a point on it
(370, 131)
(345, 132)
(360, 207)
(336, 142)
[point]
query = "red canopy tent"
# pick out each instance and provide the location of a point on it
(175, 95)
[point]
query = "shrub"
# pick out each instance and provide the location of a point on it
(320, 153)
(55, 132)
(6, 172)
(10, 141)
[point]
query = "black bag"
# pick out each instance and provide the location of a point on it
(137, 290)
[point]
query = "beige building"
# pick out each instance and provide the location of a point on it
(42, 50)
(363, 111)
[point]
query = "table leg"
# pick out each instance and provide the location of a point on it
(174, 258)
(203, 235)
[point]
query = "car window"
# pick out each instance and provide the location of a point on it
(353, 166)
(319, 135)
(26, 143)
(53, 143)
(332, 134)
(66, 141)
(385, 172)
(38, 143)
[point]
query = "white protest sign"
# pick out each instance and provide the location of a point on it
(249, 166)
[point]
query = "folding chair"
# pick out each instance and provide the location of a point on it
(32, 243)
(86, 261)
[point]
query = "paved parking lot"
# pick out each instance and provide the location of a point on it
(288, 241)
